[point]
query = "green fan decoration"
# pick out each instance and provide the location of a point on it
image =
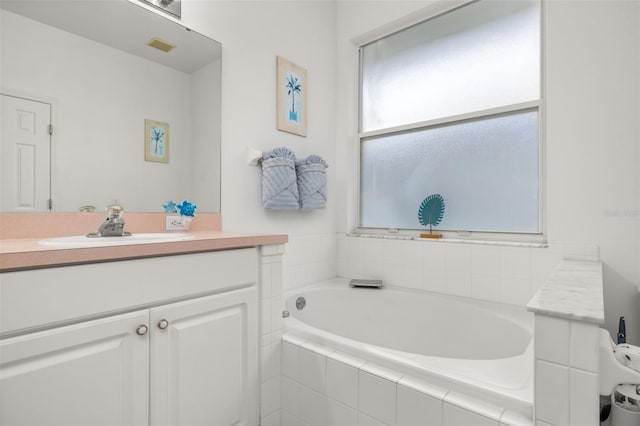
(431, 211)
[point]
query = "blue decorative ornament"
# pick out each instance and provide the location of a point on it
(170, 207)
(187, 209)
(431, 211)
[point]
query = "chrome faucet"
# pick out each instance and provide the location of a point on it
(113, 225)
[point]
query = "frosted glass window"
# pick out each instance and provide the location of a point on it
(486, 170)
(480, 56)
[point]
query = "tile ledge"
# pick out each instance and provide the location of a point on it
(573, 291)
(451, 240)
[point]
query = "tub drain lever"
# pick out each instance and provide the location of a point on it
(366, 283)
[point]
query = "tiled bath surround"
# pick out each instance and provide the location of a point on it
(321, 387)
(568, 311)
(498, 272)
(309, 259)
(271, 283)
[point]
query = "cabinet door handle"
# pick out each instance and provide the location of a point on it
(162, 324)
(142, 330)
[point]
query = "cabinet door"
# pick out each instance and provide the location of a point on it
(204, 361)
(93, 373)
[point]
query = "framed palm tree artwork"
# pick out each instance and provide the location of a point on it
(291, 97)
(156, 141)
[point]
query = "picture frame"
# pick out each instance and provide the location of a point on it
(156, 141)
(291, 90)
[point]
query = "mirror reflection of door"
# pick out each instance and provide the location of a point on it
(25, 155)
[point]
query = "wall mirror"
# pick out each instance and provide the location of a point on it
(133, 124)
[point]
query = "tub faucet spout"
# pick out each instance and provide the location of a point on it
(113, 225)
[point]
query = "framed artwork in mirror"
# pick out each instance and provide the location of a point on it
(156, 141)
(291, 89)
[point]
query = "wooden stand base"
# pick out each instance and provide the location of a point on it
(434, 236)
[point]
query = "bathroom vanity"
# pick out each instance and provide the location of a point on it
(161, 339)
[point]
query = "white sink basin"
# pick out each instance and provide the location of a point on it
(84, 241)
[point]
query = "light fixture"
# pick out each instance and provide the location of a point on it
(160, 44)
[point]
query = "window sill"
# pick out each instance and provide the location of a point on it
(452, 240)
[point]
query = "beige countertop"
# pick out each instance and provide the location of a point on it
(28, 253)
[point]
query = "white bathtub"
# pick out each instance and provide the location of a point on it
(484, 350)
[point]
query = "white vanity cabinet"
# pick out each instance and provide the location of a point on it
(92, 373)
(203, 354)
(155, 350)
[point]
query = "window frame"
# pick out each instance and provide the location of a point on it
(426, 14)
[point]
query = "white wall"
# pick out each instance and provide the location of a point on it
(593, 140)
(252, 34)
(593, 100)
(99, 110)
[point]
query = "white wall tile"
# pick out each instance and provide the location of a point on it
(342, 249)
(458, 258)
(272, 419)
(342, 382)
(288, 419)
(485, 260)
(270, 396)
(485, 287)
(271, 359)
(412, 276)
(343, 268)
(574, 251)
(374, 270)
(355, 248)
(296, 277)
(326, 246)
(340, 415)
(435, 279)
(374, 250)
(277, 306)
(393, 251)
(585, 401)
(515, 262)
(551, 389)
(455, 416)
(356, 269)
(584, 346)
(289, 395)
(412, 253)
(312, 370)
(311, 406)
(266, 316)
(377, 397)
(416, 408)
(554, 346)
(544, 261)
(392, 274)
(276, 279)
(458, 283)
(265, 284)
(434, 254)
(290, 360)
(515, 290)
